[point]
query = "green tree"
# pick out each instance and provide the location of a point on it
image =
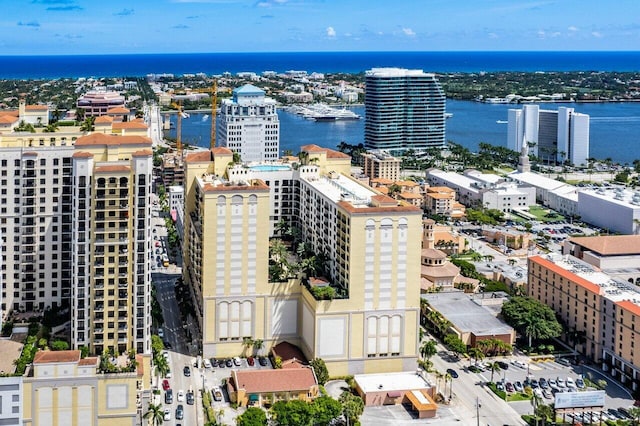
(320, 368)
(23, 126)
(162, 366)
(258, 344)
(157, 345)
(476, 354)
(155, 413)
(454, 344)
(352, 406)
(252, 417)
(87, 124)
(634, 412)
(531, 318)
(428, 349)
(494, 367)
(292, 413)
(247, 343)
(59, 345)
(325, 409)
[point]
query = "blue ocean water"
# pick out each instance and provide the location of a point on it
(614, 128)
(31, 67)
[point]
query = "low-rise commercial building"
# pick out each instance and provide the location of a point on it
(613, 209)
(470, 320)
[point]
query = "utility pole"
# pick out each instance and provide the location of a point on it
(478, 405)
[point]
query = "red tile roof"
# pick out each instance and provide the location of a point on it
(143, 153)
(288, 352)
(118, 110)
(95, 139)
(130, 125)
(90, 362)
(284, 380)
(368, 210)
(219, 150)
(82, 154)
(111, 169)
(8, 119)
(36, 108)
(45, 357)
(103, 119)
(199, 157)
(610, 245)
(594, 288)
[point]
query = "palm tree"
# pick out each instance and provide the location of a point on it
(428, 349)
(247, 342)
(439, 377)
(494, 366)
(257, 345)
(476, 354)
(162, 366)
(87, 124)
(447, 377)
(156, 414)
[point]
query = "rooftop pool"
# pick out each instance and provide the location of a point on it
(269, 167)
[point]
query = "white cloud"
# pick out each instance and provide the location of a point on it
(572, 28)
(556, 34)
(408, 32)
(493, 35)
(331, 32)
(541, 34)
(597, 34)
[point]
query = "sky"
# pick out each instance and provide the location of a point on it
(52, 27)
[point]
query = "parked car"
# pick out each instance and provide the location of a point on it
(167, 414)
(519, 363)
(216, 393)
(453, 373)
(161, 333)
(236, 361)
(500, 386)
(509, 387)
(165, 385)
(168, 396)
(570, 383)
(186, 371)
(543, 383)
(503, 365)
(206, 363)
(518, 386)
(251, 361)
(560, 383)
(180, 396)
(546, 394)
(553, 384)
(221, 363)
(580, 383)
(228, 362)
(190, 398)
(262, 361)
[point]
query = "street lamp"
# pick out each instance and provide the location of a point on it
(478, 405)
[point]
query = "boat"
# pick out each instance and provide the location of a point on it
(448, 114)
(205, 117)
(323, 112)
(184, 115)
(502, 121)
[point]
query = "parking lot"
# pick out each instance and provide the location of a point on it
(549, 377)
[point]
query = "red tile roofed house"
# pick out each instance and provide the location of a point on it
(328, 160)
(129, 128)
(258, 387)
(119, 113)
(290, 355)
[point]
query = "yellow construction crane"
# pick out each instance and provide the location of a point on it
(178, 106)
(213, 92)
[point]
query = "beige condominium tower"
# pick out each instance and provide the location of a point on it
(370, 244)
(111, 243)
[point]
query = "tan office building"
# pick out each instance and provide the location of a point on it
(378, 164)
(600, 307)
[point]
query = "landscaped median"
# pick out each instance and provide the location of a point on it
(509, 397)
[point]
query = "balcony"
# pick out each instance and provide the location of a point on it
(99, 308)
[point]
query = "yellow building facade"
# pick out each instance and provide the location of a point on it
(372, 247)
(63, 389)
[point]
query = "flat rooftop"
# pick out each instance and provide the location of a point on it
(466, 315)
(607, 286)
(406, 380)
(341, 188)
(397, 72)
(620, 196)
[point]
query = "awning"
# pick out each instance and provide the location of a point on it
(394, 394)
(254, 397)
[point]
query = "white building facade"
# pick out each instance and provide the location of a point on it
(554, 136)
(249, 125)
